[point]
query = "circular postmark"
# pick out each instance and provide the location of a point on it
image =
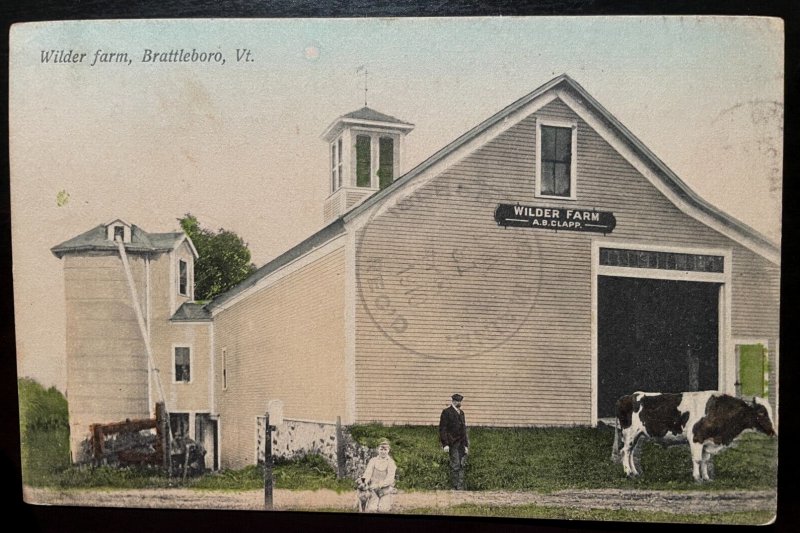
(439, 278)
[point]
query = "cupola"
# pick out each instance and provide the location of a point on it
(365, 156)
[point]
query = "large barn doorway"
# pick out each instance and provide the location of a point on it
(655, 335)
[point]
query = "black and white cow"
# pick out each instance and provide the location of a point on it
(709, 421)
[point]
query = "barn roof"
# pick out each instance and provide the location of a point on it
(721, 221)
(319, 238)
(141, 241)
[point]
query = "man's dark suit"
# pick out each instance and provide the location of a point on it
(453, 433)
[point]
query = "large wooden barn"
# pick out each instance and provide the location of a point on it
(542, 264)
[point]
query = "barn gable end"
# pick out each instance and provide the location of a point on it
(507, 316)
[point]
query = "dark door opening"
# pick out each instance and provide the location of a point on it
(655, 335)
(205, 430)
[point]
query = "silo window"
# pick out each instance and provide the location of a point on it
(183, 278)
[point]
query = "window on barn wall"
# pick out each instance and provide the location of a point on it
(119, 233)
(363, 161)
(183, 361)
(661, 260)
(183, 278)
(556, 160)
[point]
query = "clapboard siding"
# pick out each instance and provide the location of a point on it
(106, 356)
(448, 301)
(285, 342)
(180, 397)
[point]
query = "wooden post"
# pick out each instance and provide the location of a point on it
(268, 463)
(341, 460)
(162, 430)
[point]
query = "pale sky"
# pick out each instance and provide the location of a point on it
(238, 145)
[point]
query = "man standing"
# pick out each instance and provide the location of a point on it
(453, 436)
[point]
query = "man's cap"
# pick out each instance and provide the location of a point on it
(457, 397)
(384, 442)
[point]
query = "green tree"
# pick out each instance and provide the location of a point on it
(224, 258)
(40, 408)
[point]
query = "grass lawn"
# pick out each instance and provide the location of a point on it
(527, 459)
(551, 459)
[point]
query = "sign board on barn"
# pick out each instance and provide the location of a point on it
(555, 218)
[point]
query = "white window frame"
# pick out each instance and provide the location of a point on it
(191, 364)
(376, 177)
(375, 137)
(337, 164)
(573, 163)
(188, 293)
(372, 155)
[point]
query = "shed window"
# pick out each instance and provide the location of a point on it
(179, 423)
(183, 364)
(119, 233)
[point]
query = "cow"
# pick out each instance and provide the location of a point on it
(708, 421)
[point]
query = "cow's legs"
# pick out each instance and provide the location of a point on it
(636, 454)
(630, 438)
(626, 453)
(697, 460)
(704, 465)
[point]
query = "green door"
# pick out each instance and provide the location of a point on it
(753, 369)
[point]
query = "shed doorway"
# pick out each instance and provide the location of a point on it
(655, 335)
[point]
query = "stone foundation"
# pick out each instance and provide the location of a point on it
(297, 438)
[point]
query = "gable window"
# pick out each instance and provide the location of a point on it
(118, 230)
(183, 278)
(555, 163)
(336, 165)
(182, 360)
(363, 160)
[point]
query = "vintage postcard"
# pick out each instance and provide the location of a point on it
(452, 266)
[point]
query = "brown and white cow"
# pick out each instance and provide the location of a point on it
(709, 421)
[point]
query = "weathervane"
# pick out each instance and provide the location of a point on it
(364, 69)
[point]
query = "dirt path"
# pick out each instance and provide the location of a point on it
(694, 502)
